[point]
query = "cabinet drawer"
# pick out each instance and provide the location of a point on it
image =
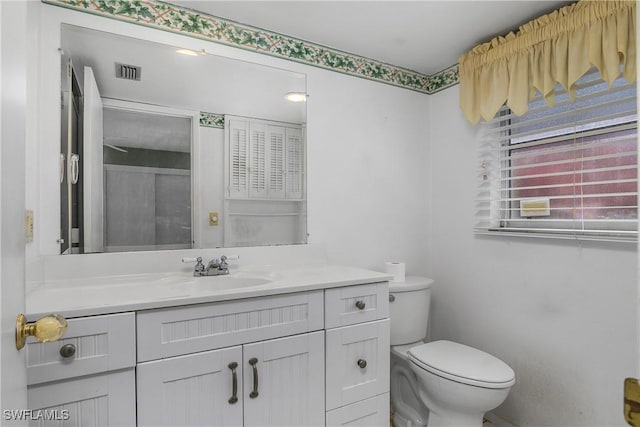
(370, 412)
(102, 343)
(182, 330)
(356, 304)
(357, 361)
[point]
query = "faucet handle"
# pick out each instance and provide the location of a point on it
(223, 263)
(199, 265)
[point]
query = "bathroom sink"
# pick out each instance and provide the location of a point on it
(231, 281)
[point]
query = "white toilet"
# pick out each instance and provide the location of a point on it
(439, 383)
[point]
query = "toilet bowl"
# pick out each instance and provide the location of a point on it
(440, 383)
(409, 411)
(459, 383)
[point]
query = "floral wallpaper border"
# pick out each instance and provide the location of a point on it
(168, 17)
(211, 120)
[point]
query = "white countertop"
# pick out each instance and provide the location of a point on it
(133, 292)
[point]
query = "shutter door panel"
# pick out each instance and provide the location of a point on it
(238, 159)
(294, 163)
(257, 156)
(276, 162)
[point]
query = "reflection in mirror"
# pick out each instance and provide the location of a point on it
(163, 148)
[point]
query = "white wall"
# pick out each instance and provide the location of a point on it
(562, 314)
(368, 178)
(368, 186)
(211, 196)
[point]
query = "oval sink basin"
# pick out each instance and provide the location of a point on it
(226, 282)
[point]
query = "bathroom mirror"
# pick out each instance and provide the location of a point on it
(157, 143)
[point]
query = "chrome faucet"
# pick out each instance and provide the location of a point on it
(216, 267)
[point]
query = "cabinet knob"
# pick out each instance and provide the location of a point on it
(360, 305)
(392, 298)
(362, 363)
(67, 350)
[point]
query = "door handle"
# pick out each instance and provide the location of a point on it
(46, 329)
(234, 383)
(74, 165)
(632, 401)
(62, 162)
(254, 364)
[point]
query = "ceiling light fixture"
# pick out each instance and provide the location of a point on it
(296, 96)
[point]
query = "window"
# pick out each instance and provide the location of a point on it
(567, 170)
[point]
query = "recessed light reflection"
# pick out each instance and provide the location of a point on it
(189, 52)
(296, 96)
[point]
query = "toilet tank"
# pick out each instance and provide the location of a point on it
(409, 309)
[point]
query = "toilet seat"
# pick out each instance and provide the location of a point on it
(462, 364)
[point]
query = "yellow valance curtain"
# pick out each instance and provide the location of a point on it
(559, 47)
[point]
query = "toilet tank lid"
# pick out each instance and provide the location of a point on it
(463, 363)
(411, 283)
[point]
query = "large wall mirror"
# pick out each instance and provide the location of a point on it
(167, 148)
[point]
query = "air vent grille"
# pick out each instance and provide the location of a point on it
(128, 72)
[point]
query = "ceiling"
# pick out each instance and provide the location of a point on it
(425, 36)
(181, 81)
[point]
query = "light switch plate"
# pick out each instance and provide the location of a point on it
(28, 225)
(213, 218)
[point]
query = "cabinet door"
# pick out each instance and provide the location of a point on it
(193, 390)
(257, 160)
(238, 158)
(97, 400)
(287, 375)
(276, 165)
(294, 163)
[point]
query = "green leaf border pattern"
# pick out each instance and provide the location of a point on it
(168, 17)
(211, 120)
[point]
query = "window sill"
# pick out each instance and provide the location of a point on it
(629, 237)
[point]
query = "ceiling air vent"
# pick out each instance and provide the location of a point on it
(128, 72)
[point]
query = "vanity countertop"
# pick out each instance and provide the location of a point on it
(115, 294)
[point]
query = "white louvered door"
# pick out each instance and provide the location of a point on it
(265, 160)
(294, 163)
(258, 160)
(191, 390)
(276, 170)
(289, 383)
(238, 152)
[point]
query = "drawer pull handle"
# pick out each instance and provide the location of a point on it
(392, 298)
(67, 350)
(234, 383)
(362, 363)
(360, 305)
(254, 362)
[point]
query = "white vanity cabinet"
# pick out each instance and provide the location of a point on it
(269, 349)
(312, 358)
(88, 377)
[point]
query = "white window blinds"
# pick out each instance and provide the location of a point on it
(568, 170)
